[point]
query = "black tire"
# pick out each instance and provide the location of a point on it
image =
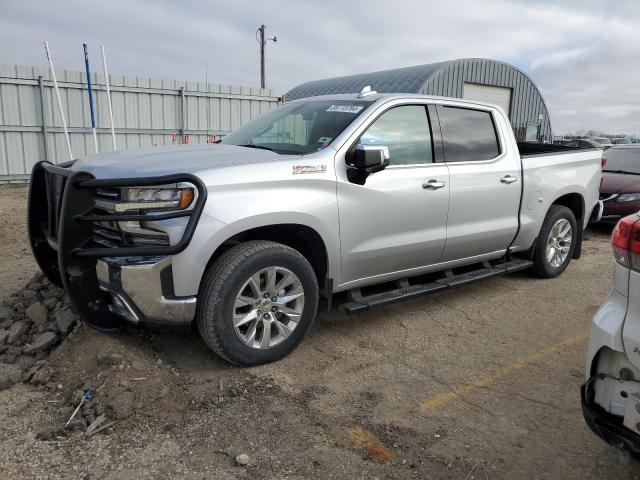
(222, 282)
(541, 265)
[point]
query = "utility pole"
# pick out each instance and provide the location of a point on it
(262, 41)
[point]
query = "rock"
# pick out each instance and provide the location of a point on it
(16, 331)
(242, 459)
(41, 376)
(3, 337)
(13, 350)
(37, 313)
(28, 296)
(14, 302)
(137, 365)
(122, 405)
(65, 319)
(50, 302)
(9, 358)
(9, 375)
(35, 286)
(28, 374)
(6, 314)
(42, 342)
(26, 361)
(109, 359)
(50, 327)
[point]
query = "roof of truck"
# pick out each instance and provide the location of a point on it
(392, 96)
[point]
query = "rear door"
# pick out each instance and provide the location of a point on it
(485, 182)
(396, 221)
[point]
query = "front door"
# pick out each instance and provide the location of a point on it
(396, 221)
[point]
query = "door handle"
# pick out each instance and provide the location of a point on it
(508, 179)
(433, 184)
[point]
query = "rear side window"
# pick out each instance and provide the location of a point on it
(405, 130)
(468, 135)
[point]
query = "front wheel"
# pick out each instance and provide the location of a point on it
(256, 302)
(556, 242)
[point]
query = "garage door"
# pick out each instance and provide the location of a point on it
(490, 94)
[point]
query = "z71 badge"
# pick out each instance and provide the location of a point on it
(302, 169)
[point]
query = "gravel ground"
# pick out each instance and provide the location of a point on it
(485, 377)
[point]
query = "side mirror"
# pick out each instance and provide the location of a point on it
(371, 157)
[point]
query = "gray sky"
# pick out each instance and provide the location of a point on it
(583, 55)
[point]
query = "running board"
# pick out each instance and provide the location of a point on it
(360, 303)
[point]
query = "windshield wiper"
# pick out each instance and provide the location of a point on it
(261, 147)
(622, 171)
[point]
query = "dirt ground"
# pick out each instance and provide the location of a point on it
(480, 382)
(17, 263)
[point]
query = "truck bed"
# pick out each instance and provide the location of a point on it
(528, 149)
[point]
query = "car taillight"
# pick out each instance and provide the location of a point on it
(604, 162)
(625, 241)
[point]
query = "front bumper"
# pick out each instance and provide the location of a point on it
(607, 426)
(106, 284)
(141, 291)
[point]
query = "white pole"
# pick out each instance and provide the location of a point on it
(55, 86)
(106, 80)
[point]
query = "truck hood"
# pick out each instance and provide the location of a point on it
(165, 160)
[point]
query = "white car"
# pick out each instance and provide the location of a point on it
(611, 394)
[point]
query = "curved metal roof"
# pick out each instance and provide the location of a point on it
(446, 79)
(398, 80)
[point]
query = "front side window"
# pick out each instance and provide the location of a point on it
(468, 135)
(298, 127)
(405, 131)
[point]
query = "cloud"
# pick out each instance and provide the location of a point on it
(582, 55)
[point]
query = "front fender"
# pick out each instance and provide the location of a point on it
(189, 266)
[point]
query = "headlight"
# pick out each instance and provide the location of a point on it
(628, 197)
(153, 198)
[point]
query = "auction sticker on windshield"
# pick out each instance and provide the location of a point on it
(345, 108)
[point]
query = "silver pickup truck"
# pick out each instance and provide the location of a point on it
(374, 197)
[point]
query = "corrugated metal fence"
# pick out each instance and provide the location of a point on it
(146, 112)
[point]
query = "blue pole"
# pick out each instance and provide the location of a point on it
(93, 117)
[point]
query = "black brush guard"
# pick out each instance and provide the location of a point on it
(60, 225)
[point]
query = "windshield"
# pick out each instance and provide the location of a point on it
(621, 141)
(623, 159)
(299, 127)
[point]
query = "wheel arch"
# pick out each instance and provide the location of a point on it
(300, 237)
(574, 201)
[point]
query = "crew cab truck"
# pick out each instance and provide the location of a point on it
(611, 393)
(413, 194)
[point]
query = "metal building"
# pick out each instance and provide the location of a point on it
(473, 78)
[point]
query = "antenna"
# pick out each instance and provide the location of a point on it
(366, 91)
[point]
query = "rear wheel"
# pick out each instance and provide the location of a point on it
(556, 242)
(256, 302)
